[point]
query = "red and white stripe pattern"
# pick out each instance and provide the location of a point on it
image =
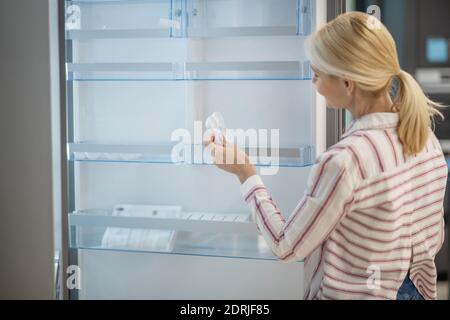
(373, 212)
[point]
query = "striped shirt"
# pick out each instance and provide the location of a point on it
(370, 213)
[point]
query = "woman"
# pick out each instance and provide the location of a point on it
(373, 209)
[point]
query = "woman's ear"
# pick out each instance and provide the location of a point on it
(349, 86)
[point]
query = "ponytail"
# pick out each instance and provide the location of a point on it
(416, 112)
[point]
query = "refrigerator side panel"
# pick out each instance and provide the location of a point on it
(30, 164)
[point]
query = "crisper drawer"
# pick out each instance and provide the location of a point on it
(161, 252)
(137, 275)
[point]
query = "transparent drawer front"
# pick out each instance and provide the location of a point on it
(167, 229)
(261, 58)
(229, 70)
(121, 71)
(272, 70)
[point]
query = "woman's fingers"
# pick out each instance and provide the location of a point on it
(217, 153)
(226, 153)
(208, 140)
(224, 141)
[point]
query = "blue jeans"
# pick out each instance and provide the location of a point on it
(408, 291)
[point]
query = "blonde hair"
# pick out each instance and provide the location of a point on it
(354, 46)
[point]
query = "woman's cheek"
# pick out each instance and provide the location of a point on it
(322, 90)
(318, 86)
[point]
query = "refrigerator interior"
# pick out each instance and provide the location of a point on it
(146, 222)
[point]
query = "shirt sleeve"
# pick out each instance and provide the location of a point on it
(329, 194)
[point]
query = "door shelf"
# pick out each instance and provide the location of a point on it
(234, 70)
(302, 156)
(190, 233)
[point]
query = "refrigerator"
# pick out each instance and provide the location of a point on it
(148, 215)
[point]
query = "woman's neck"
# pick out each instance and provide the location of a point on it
(363, 105)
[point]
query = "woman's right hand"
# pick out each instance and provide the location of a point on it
(230, 158)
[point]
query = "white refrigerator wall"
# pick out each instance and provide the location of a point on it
(149, 112)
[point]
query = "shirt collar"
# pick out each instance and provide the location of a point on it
(381, 120)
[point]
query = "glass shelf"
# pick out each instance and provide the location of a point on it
(97, 19)
(192, 154)
(234, 70)
(203, 234)
(84, 35)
